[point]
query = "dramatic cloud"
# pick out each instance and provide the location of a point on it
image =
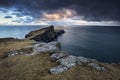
(7, 17)
(89, 10)
(59, 14)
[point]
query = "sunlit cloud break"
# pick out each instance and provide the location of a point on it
(59, 14)
(98, 11)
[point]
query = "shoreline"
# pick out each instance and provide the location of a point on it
(33, 40)
(46, 61)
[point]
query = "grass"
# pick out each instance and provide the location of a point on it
(36, 67)
(10, 45)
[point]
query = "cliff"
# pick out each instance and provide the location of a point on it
(47, 34)
(30, 60)
(46, 61)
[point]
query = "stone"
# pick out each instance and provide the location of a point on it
(58, 69)
(96, 66)
(68, 61)
(81, 59)
(45, 47)
(12, 53)
(37, 48)
(58, 55)
(57, 44)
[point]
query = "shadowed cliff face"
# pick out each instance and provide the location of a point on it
(47, 34)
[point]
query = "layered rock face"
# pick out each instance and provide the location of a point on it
(47, 34)
(64, 59)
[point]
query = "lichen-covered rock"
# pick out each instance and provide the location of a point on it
(57, 44)
(71, 61)
(37, 49)
(58, 55)
(81, 59)
(68, 61)
(58, 69)
(96, 66)
(45, 47)
(65, 60)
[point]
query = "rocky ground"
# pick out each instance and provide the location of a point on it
(46, 61)
(30, 60)
(10, 44)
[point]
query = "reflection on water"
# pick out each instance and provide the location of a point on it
(99, 42)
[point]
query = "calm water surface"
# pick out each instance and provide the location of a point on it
(99, 42)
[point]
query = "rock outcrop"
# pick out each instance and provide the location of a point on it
(47, 34)
(64, 59)
(40, 47)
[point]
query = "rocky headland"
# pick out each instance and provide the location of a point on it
(47, 34)
(29, 59)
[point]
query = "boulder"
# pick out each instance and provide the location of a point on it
(57, 44)
(81, 59)
(45, 47)
(47, 34)
(58, 69)
(58, 55)
(96, 66)
(68, 61)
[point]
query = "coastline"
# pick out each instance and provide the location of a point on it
(45, 58)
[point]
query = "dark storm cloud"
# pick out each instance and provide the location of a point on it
(94, 10)
(8, 17)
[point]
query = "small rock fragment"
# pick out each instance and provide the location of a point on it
(58, 69)
(58, 55)
(12, 53)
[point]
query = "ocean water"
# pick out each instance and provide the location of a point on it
(98, 42)
(16, 31)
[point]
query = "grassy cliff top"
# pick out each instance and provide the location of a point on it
(36, 67)
(7, 45)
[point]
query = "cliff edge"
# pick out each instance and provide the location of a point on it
(47, 34)
(31, 60)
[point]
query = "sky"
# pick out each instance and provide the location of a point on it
(59, 12)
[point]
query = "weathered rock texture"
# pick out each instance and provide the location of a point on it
(64, 60)
(47, 34)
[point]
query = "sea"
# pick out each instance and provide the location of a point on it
(97, 42)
